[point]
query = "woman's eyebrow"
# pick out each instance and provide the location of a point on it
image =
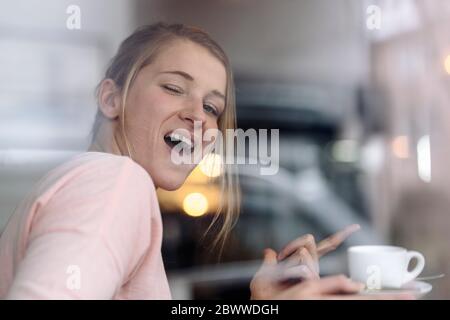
(185, 75)
(217, 93)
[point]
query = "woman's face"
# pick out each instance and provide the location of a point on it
(183, 85)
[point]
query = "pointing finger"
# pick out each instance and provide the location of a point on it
(333, 241)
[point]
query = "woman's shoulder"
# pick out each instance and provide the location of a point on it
(99, 188)
(94, 158)
(105, 164)
(96, 171)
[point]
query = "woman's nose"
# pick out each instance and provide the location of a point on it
(194, 113)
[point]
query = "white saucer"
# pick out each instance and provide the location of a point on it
(418, 288)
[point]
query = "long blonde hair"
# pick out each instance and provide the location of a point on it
(139, 50)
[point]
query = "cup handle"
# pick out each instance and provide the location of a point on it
(411, 275)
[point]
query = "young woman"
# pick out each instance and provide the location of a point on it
(91, 229)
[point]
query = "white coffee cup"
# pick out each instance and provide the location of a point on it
(383, 266)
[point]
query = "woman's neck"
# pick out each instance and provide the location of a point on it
(106, 140)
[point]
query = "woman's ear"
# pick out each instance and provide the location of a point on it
(109, 99)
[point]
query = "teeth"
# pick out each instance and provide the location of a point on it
(179, 137)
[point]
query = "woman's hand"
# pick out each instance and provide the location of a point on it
(300, 258)
(266, 286)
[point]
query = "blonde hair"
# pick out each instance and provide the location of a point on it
(140, 49)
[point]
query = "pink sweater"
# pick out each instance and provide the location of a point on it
(91, 229)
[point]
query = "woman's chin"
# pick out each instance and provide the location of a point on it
(171, 187)
(171, 182)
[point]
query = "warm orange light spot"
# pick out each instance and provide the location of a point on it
(400, 147)
(195, 204)
(447, 64)
(211, 165)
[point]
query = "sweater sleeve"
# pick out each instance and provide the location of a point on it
(89, 236)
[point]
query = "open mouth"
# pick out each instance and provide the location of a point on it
(174, 139)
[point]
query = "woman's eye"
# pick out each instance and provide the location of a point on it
(173, 89)
(210, 109)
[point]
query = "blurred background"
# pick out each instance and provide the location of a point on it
(363, 114)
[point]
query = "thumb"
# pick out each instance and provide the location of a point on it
(270, 257)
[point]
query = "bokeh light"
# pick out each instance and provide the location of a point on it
(424, 158)
(400, 147)
(195, 204)
(211, 165)
(447, 64)
(345, 151)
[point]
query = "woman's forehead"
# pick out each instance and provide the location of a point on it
(192, 59)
